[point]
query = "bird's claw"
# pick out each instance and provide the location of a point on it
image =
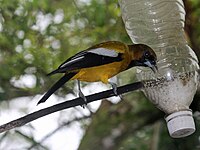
(83, 98)
(81, 95)
(114, 86)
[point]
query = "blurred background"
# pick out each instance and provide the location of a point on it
(35, 37)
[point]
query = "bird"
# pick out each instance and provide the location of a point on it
(101, 62)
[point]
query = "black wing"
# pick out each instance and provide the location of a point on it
(89, 58)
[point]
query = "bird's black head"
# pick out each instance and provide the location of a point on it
(144, 56)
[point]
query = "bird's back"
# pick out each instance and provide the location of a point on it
(112, 45)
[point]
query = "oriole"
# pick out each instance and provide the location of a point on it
(101, 62)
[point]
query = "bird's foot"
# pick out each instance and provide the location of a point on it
(114, 86)
(83, 98)
(80, 93)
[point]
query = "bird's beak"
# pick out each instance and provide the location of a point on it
(154, 68)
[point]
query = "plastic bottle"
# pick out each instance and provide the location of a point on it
(160, 24)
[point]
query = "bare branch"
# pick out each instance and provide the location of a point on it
(68, 104)
(64, 124)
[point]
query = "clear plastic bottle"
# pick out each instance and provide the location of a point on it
(160, 24)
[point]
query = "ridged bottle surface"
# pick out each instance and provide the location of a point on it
(160, 24)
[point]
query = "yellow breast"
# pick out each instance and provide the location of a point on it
(103, 72)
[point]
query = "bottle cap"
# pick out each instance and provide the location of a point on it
(180, 124)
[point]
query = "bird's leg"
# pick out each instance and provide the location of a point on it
(80, 93)
(114, 86)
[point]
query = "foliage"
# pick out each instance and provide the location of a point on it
(36, 36)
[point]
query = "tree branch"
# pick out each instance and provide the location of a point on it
(64, 124)
(72, 103)
(68, 104)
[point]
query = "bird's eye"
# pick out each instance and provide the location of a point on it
(147, 54)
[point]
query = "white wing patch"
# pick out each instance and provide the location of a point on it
(73, 60)
(98, 51)
(104, 52)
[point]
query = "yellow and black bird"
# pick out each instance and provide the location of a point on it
(101, 62)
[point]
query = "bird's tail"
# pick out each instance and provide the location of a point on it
(56, 86)
(53, 72)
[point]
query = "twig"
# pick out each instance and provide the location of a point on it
(57, 129)
(68, 104)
